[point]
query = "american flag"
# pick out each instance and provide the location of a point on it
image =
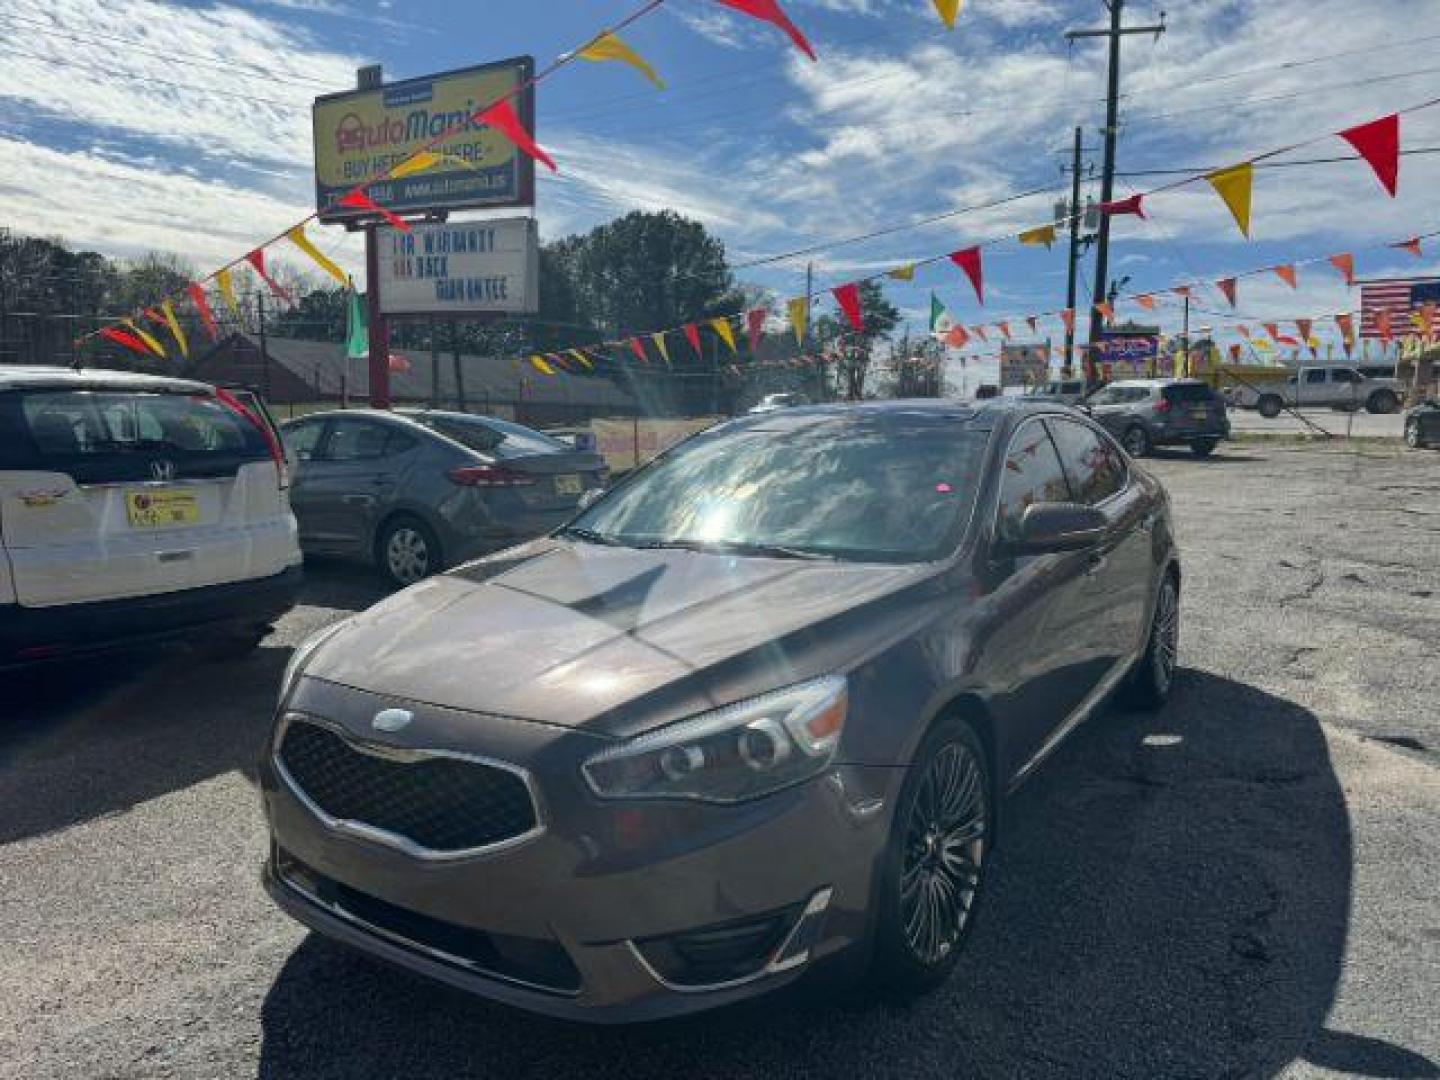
(1401, 297)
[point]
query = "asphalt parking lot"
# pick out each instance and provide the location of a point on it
(1242, 885)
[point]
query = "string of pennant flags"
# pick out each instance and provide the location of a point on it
(499, 115)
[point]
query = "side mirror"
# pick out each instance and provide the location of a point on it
(1051, 527)
(589, 498)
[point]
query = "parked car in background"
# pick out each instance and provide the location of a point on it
(1067, 391)
(754, 710)
(1422, 425)
(1336, 386)
(415, 491)
(1146, 413)
(133, 509)
(788, 400)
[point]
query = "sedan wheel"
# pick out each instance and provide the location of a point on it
(936, 862)
(1153, 677)
(409, 552)
(1412, 433)
(1137, 442)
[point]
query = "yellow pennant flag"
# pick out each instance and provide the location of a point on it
(903, 273)
(168, 310)
(799, 312)
(227, 290)
(659, 340)
(425, 159)
(1043, 235)
(610, 47)
(727, 335)
(299, 239)
(149, 340)
(949, 10)
(1234, 185)
(539, 364)
(581, 357)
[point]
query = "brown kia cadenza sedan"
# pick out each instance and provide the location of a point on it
(753, 711)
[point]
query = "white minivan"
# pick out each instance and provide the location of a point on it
(135, 508)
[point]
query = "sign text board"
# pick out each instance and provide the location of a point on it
(361, 134)
(460, 268)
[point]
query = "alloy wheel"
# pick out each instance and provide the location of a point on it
(407, 555)
(1166, 645)
(944, 849)
(1136, 442)
(1412, 434)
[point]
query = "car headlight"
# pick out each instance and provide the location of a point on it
(739, 752)
(302, 654)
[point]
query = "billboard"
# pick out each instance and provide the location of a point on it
(360, 134)
(460, 268)
(1024, 365)
(1128, 351)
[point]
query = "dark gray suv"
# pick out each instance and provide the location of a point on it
(1146, 413)
(753, 711)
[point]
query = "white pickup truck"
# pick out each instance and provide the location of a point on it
(1335, 386)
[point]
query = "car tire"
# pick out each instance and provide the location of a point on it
(1150, 683)
(1269, 406)
(1203, 448)
(408, 551)
(933, 870)
(1412, 433)
(1136, 441)
(1382, 403)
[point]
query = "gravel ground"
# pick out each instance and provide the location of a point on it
(1360, 424)
(1241, 885)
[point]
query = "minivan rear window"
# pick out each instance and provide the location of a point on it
(1188, 392)
(109, 436)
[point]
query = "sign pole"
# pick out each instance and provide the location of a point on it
(379, 327)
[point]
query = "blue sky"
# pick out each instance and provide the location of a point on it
(142, 124)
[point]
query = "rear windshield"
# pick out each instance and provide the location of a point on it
(1188, 392)
(107, 436)
(496, 438)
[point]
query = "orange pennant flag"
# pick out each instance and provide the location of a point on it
(1412, 246)
(1068, 318)
(1004, 330)
(1107, 312)
(1227, 286)
(1345, 263)
(1146, 301)
(1286, 273)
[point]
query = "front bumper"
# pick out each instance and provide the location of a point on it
(67, 630)
(599, 890)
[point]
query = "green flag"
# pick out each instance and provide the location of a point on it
(940, 320)
(357, 331)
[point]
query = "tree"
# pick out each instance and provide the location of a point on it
(916, 368)
(854, 353)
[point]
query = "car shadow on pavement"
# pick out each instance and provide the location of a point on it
(1170, 898)
(88, 738)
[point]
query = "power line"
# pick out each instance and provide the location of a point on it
(1191, 170)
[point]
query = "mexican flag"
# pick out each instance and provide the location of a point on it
(940, 320)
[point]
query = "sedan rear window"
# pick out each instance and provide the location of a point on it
(100, 436)
(495, 438)
(897, 489)
(1188, 393)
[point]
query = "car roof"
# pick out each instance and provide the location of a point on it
(36, 377)
(983, 414)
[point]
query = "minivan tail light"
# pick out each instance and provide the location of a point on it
(277, 454)
(489, 476)
(1163, 405)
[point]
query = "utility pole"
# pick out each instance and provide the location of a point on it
(1075, 165)
(1112, 122)
(805, 337)
(264, 352)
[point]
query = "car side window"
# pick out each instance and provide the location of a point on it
(1315, 375)
(1094, 466)
(1032, 474)
(1107, 396)
(355, 440)
(302, 439)
(397, 442)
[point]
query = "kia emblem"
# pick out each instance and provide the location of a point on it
(392, 719)
(162, 469)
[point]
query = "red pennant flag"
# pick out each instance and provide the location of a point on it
(1412, 246)
(1068, 318)
(979, 331)
(1303, 326)
(1124, 206)
(1034, 327)
(1286, 339)
(692, 335)
(256, 259)
(202, 305)
(502, 117)
(1378, 142)
(1146, 301)
(1227, 286)
(1004, 330)
(638, 348)
(1244, 330)
(1345, 263)
(755, 325)
(1106, 311)
(1347, 331)
(1273, 329)
(1234, 354)
(130, 341)
(957, 337)
(848, 297)
(969, 261)
(1382, 325)
(357, 199)
(1286, 273)
(1181, 290)
(771, 12)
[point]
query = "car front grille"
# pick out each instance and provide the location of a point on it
(441, 804)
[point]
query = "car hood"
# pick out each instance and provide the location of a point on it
(566, 633)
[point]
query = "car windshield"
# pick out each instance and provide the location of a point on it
(497, 438)
(895, 487)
